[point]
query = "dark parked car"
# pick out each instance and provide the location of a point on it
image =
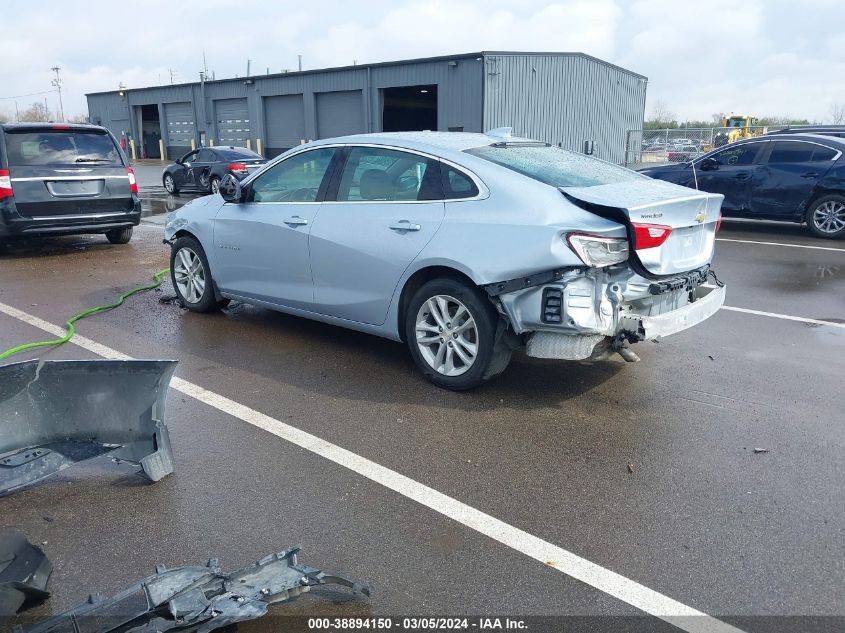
(65, 179)
(824, 130)
(204, 168)
(796, 177)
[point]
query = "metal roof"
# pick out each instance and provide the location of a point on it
(400, 62)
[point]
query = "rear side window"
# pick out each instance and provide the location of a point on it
(791, 152)
(60, 147)
(457, 184)
(237, 153)
(555, 166)
(823, 153)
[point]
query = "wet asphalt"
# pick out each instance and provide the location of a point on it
(548, 447)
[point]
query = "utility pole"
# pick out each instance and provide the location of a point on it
(57, 82)
(247, 67)
(172, 72)
(300, 62)
(17, 115)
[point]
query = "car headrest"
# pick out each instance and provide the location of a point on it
(375, 185)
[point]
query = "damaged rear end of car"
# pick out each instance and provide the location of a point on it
(642, 281)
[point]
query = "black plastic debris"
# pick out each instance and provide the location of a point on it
(196, 598)
(24, 572)
(56, 413)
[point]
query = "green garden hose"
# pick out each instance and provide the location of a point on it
(70, 330)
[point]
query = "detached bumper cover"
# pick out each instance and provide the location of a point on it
(707, 303)
(195, 598)
(56, 413)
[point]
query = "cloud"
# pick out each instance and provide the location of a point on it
(756, 56)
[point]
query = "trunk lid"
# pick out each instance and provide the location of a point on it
(692, 216)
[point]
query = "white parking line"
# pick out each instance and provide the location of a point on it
(786, 317)
(818, 248)
(601, 578)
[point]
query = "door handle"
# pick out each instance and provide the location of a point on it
(810, 174)
(404, 225)
(296, 221)
(741, 175)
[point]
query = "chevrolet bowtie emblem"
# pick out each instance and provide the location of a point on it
(700, 217)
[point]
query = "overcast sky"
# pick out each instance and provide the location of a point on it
(763, 57)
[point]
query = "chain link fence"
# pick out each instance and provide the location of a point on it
(677, 145)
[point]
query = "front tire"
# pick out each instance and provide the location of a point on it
(191, 276)
(119, 236)
(455, 335)
(826, 217)
(169, 184)
(215, 185)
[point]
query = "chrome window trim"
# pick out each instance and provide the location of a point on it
(777, 139)
(483, 190)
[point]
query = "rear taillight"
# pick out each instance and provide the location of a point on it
(237, 167)
(649, 235)
(5, 184)
(133, 183)
(719, 222)
(597, 250)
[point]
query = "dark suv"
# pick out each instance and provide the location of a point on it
(65, 180)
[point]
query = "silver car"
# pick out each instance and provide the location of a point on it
(465, 247)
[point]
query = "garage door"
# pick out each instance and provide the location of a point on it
(340, 113)
(179, 119)
(284, 120)
(232, 122)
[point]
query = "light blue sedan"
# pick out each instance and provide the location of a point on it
(465, 247)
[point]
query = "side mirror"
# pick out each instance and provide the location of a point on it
(230, 188)
(178, 161)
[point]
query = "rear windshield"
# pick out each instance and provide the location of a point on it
(555, 166)
(60, 147)
(236, 154)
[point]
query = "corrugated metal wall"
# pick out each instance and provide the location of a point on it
(564, 99)
(558, 98)
(339, 113)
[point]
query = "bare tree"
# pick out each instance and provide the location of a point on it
(660, 112)
(4, 117)
(77, 118)
(837, 113)
(718, 118)
(35, 113)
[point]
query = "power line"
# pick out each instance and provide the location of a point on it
(31, 94)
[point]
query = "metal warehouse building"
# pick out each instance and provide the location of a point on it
(571, 99)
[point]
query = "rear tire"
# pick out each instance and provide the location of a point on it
(191, 276)
(169, 184)
(826, 217)
(455, 335)
(119, 236)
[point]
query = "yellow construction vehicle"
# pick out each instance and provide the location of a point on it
(737, 127)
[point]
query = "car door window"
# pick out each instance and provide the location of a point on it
(190, 157)
(205, 156)
(296, 179)
(791, 152)
(739, 155)
(375, 173)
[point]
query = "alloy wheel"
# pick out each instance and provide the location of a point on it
(215, 185)
(829, 217)
(447, 335)
(189, 275)
(168, 183)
